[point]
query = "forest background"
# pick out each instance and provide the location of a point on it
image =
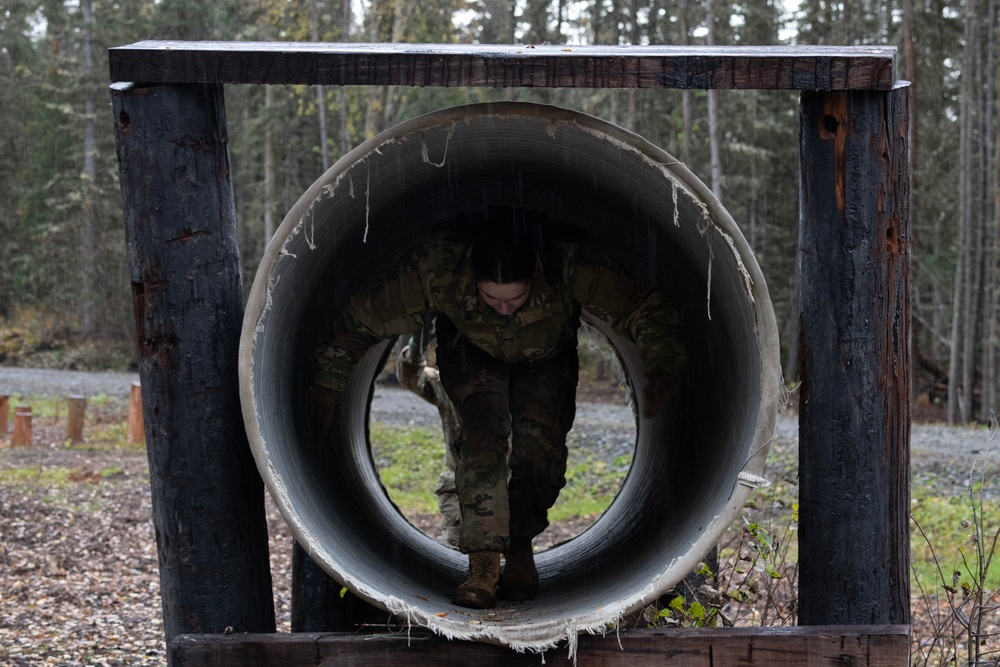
(64, 279)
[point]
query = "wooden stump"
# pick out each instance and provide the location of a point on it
(136, 429)
(74, 422)
(4, 411)
(22, 427)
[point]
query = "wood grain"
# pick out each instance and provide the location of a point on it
(544, 66)
(821, 646)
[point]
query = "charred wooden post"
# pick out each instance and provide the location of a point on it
(75, 418)
(22, 427)
(854, 414)
(317, 604)
(180, 224)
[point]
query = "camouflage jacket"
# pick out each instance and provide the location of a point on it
(436, 278)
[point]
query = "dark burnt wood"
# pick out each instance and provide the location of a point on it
(854, 409)
(545, 66)
(885, 646)
(180, 225)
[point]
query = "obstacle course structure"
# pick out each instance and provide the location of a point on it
(854, 417)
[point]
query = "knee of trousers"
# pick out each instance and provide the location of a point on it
(486, 426)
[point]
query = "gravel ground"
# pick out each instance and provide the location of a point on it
(78, 570)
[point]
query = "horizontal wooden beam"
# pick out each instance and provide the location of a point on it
(816, 646)
(545, 66)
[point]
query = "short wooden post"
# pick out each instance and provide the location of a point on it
(74, 421)
(854, 416)
(180, 229)
(22, 427)
(4, 413)
(136, 434)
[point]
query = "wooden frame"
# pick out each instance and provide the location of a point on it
(854, 304)
(872, 646)
(545, 66)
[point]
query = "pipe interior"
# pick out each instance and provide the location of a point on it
(641, 206)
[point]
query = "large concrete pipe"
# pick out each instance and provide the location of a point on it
(694, 464)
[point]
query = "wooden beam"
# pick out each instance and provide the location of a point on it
(180, 226)
(546, 66)
(854, 409)
(873, 646)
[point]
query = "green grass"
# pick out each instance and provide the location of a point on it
(411, 459)
(108, 437)
(409, 462)
(51, 477)
(54, 477)
(591, 485)
(42, 407)
(949, 524)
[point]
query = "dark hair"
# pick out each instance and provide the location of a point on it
(502, 251)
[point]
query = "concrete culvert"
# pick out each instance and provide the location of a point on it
(694, 464)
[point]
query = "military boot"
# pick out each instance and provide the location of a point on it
(479, 591)
(520, 577)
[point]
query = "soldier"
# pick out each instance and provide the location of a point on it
(414, 374)
(507, 312)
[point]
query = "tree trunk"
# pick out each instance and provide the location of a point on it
(324, 147)
(791, 368)
(958, 397)
(991, 245)
(88, 237)
(345, 32)
(269, 203)
(911, 76)
(686, 110)
(713, 115)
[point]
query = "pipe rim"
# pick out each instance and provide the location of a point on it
(534, 628)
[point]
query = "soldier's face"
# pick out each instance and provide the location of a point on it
(505, 298)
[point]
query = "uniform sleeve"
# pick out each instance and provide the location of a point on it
(392, 304)
(413, 374)
(634, 310)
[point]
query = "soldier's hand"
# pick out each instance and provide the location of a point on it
(321, 404)
(660, 387)
(409, 366)
(414, 352)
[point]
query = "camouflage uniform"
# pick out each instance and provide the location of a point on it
(414, 374)
(531, 406)
(507, 375)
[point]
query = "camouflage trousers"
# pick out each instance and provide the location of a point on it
(511, 450)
